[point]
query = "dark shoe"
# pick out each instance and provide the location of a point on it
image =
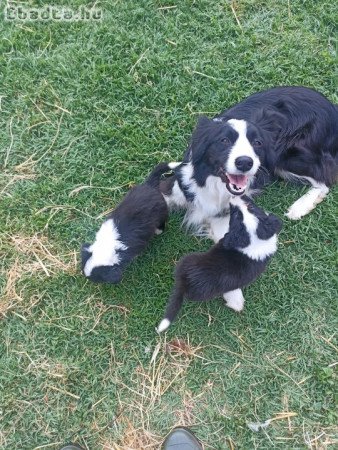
(71, 447)
(181, 439)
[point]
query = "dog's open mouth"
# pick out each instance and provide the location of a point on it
(236, 184)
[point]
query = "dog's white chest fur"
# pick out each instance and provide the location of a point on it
(208, 200)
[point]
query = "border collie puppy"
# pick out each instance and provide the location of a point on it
(291, 132)
(127, 230)
(234, 262)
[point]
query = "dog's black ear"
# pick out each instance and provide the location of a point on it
(270, 120)
(237, 237)
(85, 254)
(271, 124)
(201, 138)
(268, 226)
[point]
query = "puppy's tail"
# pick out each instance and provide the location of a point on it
(155, 176)
(172, 310)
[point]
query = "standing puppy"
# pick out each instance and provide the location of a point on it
(234, 262)
(128, 229)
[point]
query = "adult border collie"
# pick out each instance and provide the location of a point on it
(291, 132)
(234, 262)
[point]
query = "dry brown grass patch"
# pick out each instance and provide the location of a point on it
(33, 255)
(141, 400)
(18, 173)
(134, 438)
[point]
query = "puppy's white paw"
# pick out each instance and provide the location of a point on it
(236, 306)
(158, 231)
(234, 300)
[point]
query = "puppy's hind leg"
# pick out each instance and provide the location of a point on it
(234, 300)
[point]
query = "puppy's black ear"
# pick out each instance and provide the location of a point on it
(237, 237)
(269, 226)
(201, 138)
(85, 254)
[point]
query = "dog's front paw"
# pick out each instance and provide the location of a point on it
(307, 202)
(296, 211)
(293, 215)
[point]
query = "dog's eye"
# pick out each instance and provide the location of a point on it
(257, 143)
(226, 141)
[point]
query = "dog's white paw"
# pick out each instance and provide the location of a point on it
(307, 202)
(234, 300)
(158, 231)
(300, 209)
(294, 213)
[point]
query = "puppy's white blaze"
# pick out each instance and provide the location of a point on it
(165, 323)
(241, 147)
(250, 220)
(104, 249)
(173, 164)
(258, 248)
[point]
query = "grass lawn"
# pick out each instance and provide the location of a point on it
(87, 109)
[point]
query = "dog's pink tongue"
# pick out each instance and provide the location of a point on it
(238, 180)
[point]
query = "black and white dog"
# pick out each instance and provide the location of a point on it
(234, 262)
(291, 132)
(127, 230)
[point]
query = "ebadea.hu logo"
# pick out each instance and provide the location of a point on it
(24, 13)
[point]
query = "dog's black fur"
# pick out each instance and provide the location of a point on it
(302, 129)
(292, 130)
(226, 266)
(129, 228)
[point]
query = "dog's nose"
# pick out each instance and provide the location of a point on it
(243, 163)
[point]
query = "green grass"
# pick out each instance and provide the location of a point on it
(98, 104)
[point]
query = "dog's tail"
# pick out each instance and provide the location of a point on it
(155, 176)
(173, 307)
